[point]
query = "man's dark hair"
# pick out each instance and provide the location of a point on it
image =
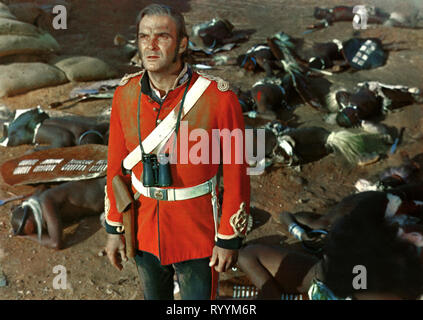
(364, 237)
(156, 9)
(19, 216)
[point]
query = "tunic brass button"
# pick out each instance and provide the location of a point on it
(158, 121)
(155, 109)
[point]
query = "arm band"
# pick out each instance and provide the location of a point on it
(296, 230)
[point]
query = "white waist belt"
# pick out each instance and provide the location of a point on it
(175, 194)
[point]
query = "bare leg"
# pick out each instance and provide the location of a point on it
(275, 270)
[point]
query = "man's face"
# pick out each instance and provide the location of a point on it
(17, 217)
(158, 44)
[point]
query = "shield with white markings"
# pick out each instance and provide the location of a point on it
(55, 165)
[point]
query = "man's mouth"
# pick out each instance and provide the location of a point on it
(152, 57)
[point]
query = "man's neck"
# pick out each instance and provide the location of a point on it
(164, 81)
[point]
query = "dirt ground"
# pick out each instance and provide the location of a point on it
(92, 25)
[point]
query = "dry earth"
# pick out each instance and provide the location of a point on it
(92, 26)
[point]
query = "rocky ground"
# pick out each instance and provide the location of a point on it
(92, 26)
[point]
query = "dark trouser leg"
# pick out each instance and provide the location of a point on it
(195, 279)
(156, 279)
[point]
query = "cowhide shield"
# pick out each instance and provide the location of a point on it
(55, 165)
(364, 53)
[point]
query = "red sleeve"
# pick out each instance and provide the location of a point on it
(236, 195)
(116, 153)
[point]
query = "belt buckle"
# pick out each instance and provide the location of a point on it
(158, 194)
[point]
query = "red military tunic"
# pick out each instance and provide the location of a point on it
(180, 230)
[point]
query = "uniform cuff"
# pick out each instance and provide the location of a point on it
(232, 244)
(112, 229)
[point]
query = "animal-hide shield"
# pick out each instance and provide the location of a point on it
(364, 53)
(54, 165)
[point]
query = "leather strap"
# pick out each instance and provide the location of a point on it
(165, 129)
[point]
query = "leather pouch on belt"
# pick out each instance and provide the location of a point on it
(125, 205)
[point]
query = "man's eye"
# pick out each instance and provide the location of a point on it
(164, 37)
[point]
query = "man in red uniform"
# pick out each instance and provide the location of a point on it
(176, 227)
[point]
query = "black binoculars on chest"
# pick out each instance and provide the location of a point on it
(156, 170)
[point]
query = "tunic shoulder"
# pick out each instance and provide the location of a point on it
(125, 79)
(222, 85)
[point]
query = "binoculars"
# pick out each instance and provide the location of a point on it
(156, 171)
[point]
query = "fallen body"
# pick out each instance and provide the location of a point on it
(281, 64)
(297, 146)
(259, 58)
(374, 15)
(265, 99)
(406, 173)
(43, 216)
(36, 127)
(411, 205)
(362, 226)
(62, 132)
(370, 99)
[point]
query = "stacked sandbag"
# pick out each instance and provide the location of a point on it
(40, 15)
(83, 68)
(22, 48)
(25, 50)
(5, 12)
(20, 38)
(16, 78)
(15, 40)
(27, 12)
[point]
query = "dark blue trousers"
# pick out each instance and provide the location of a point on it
(194, 277)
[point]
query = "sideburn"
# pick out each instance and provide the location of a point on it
(175, 56)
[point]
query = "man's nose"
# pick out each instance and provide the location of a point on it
(152, 43)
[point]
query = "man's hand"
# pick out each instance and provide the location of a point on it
(115, 249)
(223, 259)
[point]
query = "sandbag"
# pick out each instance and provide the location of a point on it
(25, 58)
(5, 12)
(17, 78)
(27, 12)
(15, 27)
(17, 44)
(82, 68)
(38, 15)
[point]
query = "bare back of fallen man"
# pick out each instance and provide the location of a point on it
(312, 220)
(377, 222)
(67, 132)
(276, 271)
(60, 205)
